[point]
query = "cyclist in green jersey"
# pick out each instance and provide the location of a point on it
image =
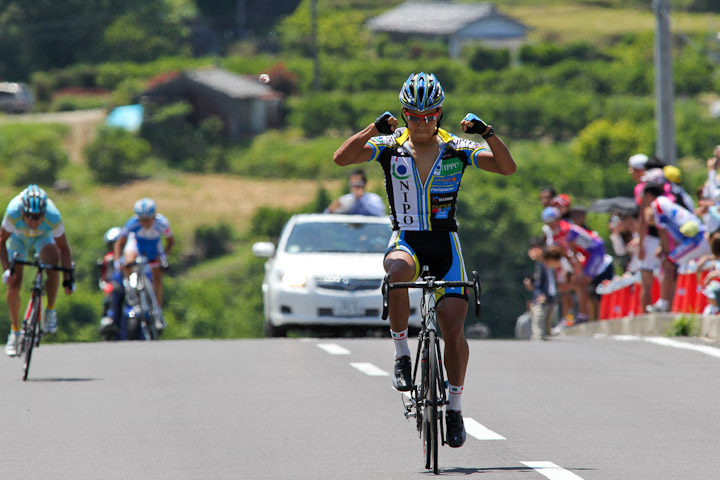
(423, 166)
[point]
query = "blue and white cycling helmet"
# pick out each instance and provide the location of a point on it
(34, 200)
(112, 235)
(421, 92)
(145, 208)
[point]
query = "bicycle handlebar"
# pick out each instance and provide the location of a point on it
(430, 284)
(40, 265)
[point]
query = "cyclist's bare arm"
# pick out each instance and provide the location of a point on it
(169, 242)
(355, 150)
(65, 259)
(118, 247)
(499, 159)
(4, 258)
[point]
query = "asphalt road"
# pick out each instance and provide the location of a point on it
(567, 409)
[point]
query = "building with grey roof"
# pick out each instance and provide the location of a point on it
(457, 23)
(245, 105)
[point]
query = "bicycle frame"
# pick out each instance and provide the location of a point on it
(139, 285)
(428, 395)
(31, 332)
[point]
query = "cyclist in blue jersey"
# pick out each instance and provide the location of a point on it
(423, 166)
(142, 235)
(32, 223)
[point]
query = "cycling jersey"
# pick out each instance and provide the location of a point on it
(23, 238)
(431, 205)
(148, 239)
(684, 227)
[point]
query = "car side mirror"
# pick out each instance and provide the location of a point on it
(263, 249)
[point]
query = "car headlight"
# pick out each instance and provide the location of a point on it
(293, 279)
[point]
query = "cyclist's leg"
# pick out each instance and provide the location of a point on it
(50, 254)
(157, 284)
(451, 317)
(15, 244)
(402, 264)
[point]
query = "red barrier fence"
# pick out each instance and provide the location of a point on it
(621, 296)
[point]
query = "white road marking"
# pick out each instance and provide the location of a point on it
(479, 431)
(369, 369)
(334, 349)
(551, 471)
(668, 342)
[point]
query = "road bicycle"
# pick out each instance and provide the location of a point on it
(144, 314)
(32, 331)
(427, 398)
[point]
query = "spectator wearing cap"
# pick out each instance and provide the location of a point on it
(563, 202)
(542, 286)
(684, 228)
(547, 195)
(556, 230)
(648, 240)
(585, 250)
(674, 178)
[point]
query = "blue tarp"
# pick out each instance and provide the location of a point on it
(128, 117)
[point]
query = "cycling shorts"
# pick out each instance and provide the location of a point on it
(22, 245)
(440, 251)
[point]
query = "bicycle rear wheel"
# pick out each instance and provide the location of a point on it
(31, 331)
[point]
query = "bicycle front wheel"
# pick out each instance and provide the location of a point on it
(31, 332)
(430, 404)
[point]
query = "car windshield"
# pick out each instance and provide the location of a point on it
(314, 237)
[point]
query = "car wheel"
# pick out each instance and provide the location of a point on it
(272, 331)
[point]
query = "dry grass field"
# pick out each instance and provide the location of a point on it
(191, 200)
(571, 21)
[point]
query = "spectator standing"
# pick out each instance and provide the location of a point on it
(648, 239)
(542, 286)
(677, 224)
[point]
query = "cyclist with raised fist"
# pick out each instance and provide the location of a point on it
(423, 166)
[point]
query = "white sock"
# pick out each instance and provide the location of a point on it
(455, 400)
(401, 343)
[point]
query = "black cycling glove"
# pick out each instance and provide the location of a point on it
(381, 123)
(478, 125)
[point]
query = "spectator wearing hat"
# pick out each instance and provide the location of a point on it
(556, 230)
(677, 224)
(563, 202)
(648, 240)
(673, 175)
(585, 250)
(543, 288)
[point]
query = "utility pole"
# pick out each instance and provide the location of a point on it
(315, 48)
(664, 95)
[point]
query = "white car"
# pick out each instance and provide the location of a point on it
(327, 270)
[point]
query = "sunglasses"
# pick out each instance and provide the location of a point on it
(33, 216)
(430, 117)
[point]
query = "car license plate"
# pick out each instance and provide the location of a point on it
(348, 309)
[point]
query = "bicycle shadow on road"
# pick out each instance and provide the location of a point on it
(472, 471)
(60, 380)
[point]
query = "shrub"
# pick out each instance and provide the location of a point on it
(484, 58)
(34, 156)
(116, 154)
